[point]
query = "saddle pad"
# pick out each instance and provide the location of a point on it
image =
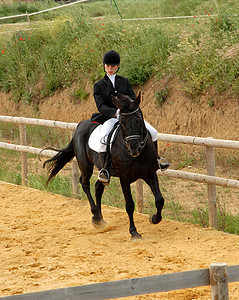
(96, 139)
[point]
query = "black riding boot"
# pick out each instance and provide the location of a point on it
(104, 175)
(163, 164)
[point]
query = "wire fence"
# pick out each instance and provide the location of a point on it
(28, 15)
(42, 11)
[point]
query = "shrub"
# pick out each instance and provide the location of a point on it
(161, 96)
(200, 58)
(36, 63)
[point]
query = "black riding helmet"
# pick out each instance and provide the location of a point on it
(111, 58)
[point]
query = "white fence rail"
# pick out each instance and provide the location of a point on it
(200, 178)
(217, 276)
(209, 143)
(40, 122)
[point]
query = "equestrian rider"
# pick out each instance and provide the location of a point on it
(113, 84)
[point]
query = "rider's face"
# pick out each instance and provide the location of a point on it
(111, 69)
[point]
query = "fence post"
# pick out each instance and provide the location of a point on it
(211, 188)
(75, 176)
(139, 195)
(219, 281)
(23, 141)
(28, 19)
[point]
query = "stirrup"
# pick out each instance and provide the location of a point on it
(104, 176)
(163, 164)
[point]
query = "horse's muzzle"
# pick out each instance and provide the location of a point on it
(134, 153)
(133, 145)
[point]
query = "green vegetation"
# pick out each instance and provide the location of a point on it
(202, 52)
(78, 93)
(12, 8)
(227, 222)
(161, 96)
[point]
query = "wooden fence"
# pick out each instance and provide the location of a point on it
(209, 143)
(217, 276)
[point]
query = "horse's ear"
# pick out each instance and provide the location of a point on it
(115, 101)
(137, 100)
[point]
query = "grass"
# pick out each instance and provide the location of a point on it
(11, 8)
(197, 213)
(161, 96)
(197, 51)
(37, 136)
(227, 222)
(61, 184)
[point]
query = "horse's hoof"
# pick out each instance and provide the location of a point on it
(154, 220)
(99, 224)
(136, 236)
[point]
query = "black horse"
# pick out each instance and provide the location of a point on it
(133, 156)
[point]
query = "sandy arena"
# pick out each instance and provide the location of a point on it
(48, 242)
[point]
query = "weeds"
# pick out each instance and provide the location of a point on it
(226, 221)
(199, 60)
(161, 96)
(79, 94)
(36, 63)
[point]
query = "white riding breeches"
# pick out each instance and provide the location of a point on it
(109, 124)
(153, 132)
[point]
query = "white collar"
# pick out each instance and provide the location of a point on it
(112, 78)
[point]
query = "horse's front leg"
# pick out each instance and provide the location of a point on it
(159, 200)
(129, 208)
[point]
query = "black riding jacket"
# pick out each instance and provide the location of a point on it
(103, 89)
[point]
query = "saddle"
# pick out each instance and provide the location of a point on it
(98, 143)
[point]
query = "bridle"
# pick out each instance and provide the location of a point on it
(136, 137)
(128, 138)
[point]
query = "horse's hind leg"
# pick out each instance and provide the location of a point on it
(159, 200)
(129, 208)
(99, 189)
(85, 182)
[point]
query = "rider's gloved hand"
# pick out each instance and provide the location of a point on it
(117, 113)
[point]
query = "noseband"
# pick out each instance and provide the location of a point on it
(136, 136)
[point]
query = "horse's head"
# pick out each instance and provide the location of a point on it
(132, 123)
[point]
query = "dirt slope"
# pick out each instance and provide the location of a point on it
(47, 242)
(178, 115)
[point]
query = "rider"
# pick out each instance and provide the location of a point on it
(113, 84)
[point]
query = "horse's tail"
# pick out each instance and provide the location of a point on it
(57, 162)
